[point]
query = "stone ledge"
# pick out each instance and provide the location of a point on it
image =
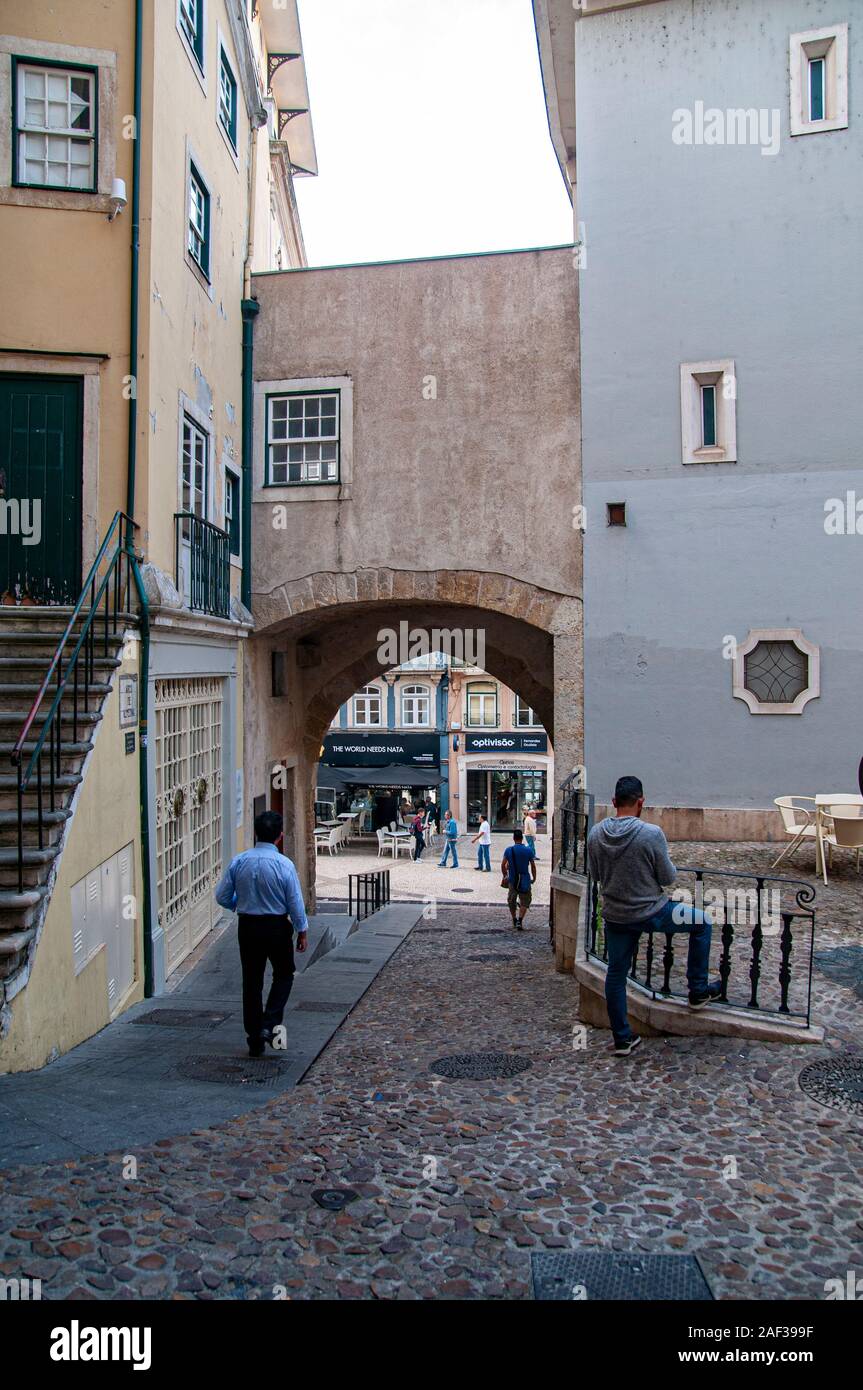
(655, 1017)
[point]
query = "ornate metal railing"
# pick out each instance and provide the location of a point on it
(202, 564)
(103, 605)
(372, 892)
(576, 819)
(762, 942)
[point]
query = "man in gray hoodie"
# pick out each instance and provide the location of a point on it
(629, 860)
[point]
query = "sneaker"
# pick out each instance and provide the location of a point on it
(699, 998)
(625, 1048)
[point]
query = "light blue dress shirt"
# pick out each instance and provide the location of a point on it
(263, 883)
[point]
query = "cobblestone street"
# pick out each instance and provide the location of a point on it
(459, 1181)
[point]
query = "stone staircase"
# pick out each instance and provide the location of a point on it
(28, 640)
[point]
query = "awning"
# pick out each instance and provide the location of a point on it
(397, 775)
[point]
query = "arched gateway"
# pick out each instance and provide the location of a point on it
(416, 451)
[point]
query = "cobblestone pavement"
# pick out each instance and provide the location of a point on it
(414, 882)
(459, 1181)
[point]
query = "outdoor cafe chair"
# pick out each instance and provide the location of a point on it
(798, 821)
(846, 833)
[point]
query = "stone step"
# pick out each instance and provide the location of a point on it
(13, 942)
(35, 661)
(19, 689)
(13, 901)
(30, 857)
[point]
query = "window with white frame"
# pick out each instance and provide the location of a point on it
(199, 221)
(233, 512)
(525, 717)
(303, 438)
(776, 671)
(819, 80)
(190, 17)
(416, 707)
(482, 705)
(194, 471)
(708, 412)
(227, 98)
(54, 140)
(367, 707)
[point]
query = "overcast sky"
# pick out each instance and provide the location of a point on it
(431, 131)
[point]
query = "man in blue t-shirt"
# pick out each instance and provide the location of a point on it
(518, 866)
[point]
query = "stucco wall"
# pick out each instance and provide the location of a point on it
(59, 1009)
(703, 252)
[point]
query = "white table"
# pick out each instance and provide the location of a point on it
(822, 800)
(395, 836)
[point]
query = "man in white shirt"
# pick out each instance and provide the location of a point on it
(483, 854)
(529, 828)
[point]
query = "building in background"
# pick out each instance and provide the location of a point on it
(431, 727)
(223, 130)
(715, 157)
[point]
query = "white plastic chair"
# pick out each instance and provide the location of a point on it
(382, 844)
(798, 820)
(845, 832)
(404, 843)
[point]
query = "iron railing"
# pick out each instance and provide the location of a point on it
(202, 561)
(576, 819)
(71, 670)
(371, 894)
(761, 948)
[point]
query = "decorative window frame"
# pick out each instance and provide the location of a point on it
(830, 43)
(721, 374)
(342, 489)
(776, 634)
(104, 64)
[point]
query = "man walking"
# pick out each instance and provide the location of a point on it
(262, 887)
(483, 854)
(629, 860)
(518, 866)
(450, 837)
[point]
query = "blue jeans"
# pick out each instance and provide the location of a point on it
(622, 941)
(530, 841)
(483, 857)
(450, 845)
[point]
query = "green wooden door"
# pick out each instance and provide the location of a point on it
(40, 488)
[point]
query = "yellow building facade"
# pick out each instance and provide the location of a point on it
(148, 150)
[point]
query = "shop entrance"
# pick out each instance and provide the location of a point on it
(505, 795)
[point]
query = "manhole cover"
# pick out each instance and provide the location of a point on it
(182, 1018)
(462, 890)
(480, 1066)
(489, 956)
(352, 960)
(486, 931)
(844, 964)
(334, 1198)
(430, 931)
(232, 1071)
(592, 1274)
(835, 1081)
(322, 1006)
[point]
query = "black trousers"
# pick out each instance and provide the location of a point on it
(265, 939)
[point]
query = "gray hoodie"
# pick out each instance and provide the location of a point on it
(629, 859)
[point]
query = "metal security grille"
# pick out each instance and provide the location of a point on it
(188, 748)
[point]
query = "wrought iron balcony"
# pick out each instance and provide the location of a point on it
(203, 565)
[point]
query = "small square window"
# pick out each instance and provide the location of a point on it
(303, 438)
(818, 61)
(54, 142)
(616, 513)
(776, 671)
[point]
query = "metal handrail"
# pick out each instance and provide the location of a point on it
(372, 893)
(55, 666)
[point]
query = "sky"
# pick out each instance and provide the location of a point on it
(431, 131)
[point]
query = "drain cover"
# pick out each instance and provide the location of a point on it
(393, 935)
(837, 1082)
(493, 955)
(232, 1071)
(486, 931)
(462, 890)
(592, 1274)
(322, 1006)
(182, 1018)
(334, 1198)
(352, 960)
(429, 931)
(480, 1066)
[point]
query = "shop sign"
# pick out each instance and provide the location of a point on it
(506, 743)
(380, 750)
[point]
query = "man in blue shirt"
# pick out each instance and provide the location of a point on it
(518, 866)
(262, 887)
